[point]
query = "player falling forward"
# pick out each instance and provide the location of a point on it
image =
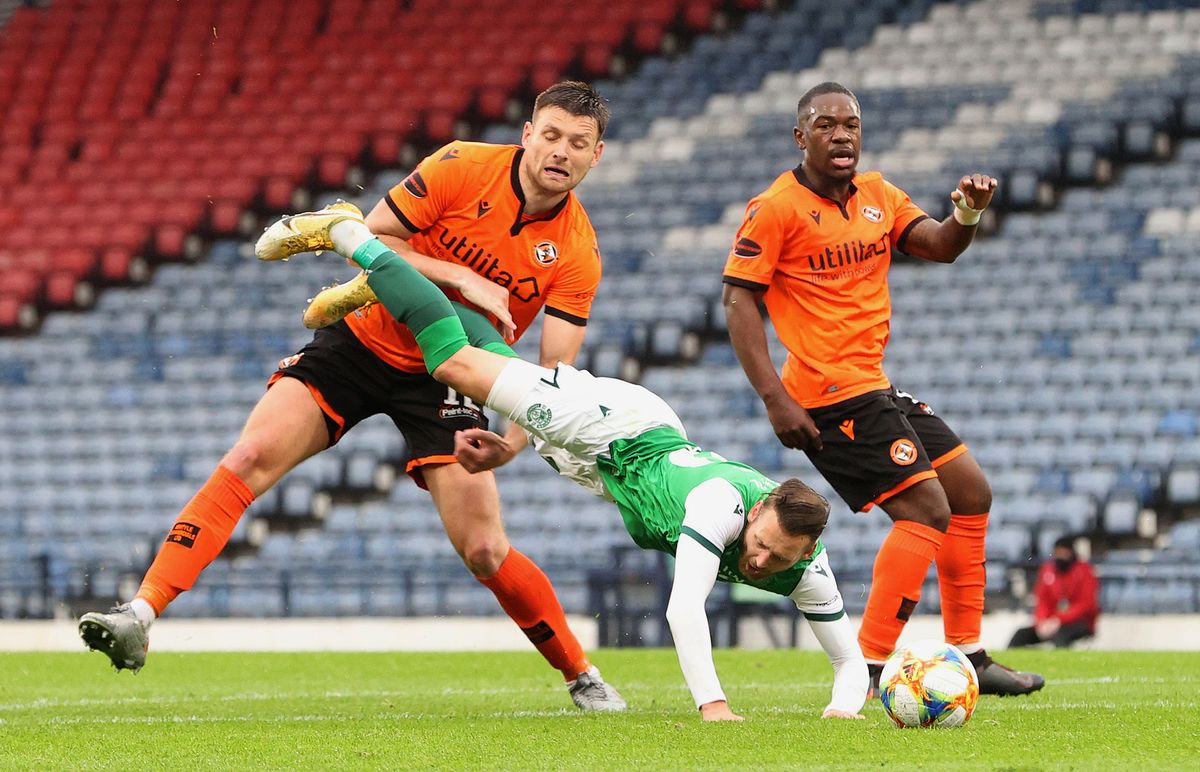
(816, 247)
(722, 520)
(499, 227)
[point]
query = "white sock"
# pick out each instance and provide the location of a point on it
(349, 235)
(143, 611)
(969, 648)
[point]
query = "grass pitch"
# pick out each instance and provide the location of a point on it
(1099, 710)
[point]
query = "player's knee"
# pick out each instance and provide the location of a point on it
(940, 519)
(483, 557)
(924, 503)
(976, 500)
(248, 457)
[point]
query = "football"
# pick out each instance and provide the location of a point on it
(929, 683)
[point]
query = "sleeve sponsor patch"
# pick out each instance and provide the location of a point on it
(415, 185)
(747, 248)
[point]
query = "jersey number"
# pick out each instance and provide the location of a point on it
(454, 398)
(693, 457)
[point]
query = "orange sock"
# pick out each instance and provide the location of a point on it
(900, 569)
(526, 595)
(199, 534)
(962, 577)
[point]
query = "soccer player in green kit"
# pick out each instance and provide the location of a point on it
(720, 519)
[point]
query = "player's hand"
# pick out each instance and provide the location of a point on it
(718, 711)
(833, 713)
(792, 424)
(975, 191)
(479, 450)
(490, 298)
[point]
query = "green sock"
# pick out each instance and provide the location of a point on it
(480, 331)
(367, 252)
(415, 301)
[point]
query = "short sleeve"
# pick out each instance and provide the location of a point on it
(817, 594)
(714, 515)
(906, 214)
(757, 245)
(574, 287)
(420, 199)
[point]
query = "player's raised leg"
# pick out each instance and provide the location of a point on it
(469, 505)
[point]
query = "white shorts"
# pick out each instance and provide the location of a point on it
(572, 416)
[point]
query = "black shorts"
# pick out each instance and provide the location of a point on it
(350, 383)
(879, 443)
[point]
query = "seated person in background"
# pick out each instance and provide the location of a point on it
(1068, 600)
(720, 519)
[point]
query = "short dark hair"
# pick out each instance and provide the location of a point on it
(801, 510)
(1066, 543)
(821, 89)
(578, 99)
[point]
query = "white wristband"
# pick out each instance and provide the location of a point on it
(964, 214)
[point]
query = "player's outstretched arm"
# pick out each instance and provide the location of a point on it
(791, 422)
(695, 575)
(943, 242)
(818, 597)
(850, 678)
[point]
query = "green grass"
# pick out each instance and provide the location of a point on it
(1100, 710)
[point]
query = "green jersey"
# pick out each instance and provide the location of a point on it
(650, 477)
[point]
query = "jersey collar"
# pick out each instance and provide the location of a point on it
(521, 221)
(803, 179)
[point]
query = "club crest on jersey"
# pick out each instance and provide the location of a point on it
(287, 362)
(904, 452)
(747, 248)
(872, 214)
(538, 416)
(545, 252)
(415, 185)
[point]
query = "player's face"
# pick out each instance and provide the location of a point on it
(560, 149)
(831, 136)
(766, 548)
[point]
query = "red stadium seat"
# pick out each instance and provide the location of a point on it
(114, 265)
(23, 284)
(385, 148)
(169, 241)
(224, 217)
(698, 14)
(61, 287)
(332, 171)
(10, 313)
(135, 161)
(77, 261)
(278, 193)
(493, 103)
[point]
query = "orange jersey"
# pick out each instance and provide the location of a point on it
(824, 269)
(465, 205)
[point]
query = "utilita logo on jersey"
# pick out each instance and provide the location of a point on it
(850, 253)
(487, 265)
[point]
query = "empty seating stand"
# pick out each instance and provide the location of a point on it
(1064, 347)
